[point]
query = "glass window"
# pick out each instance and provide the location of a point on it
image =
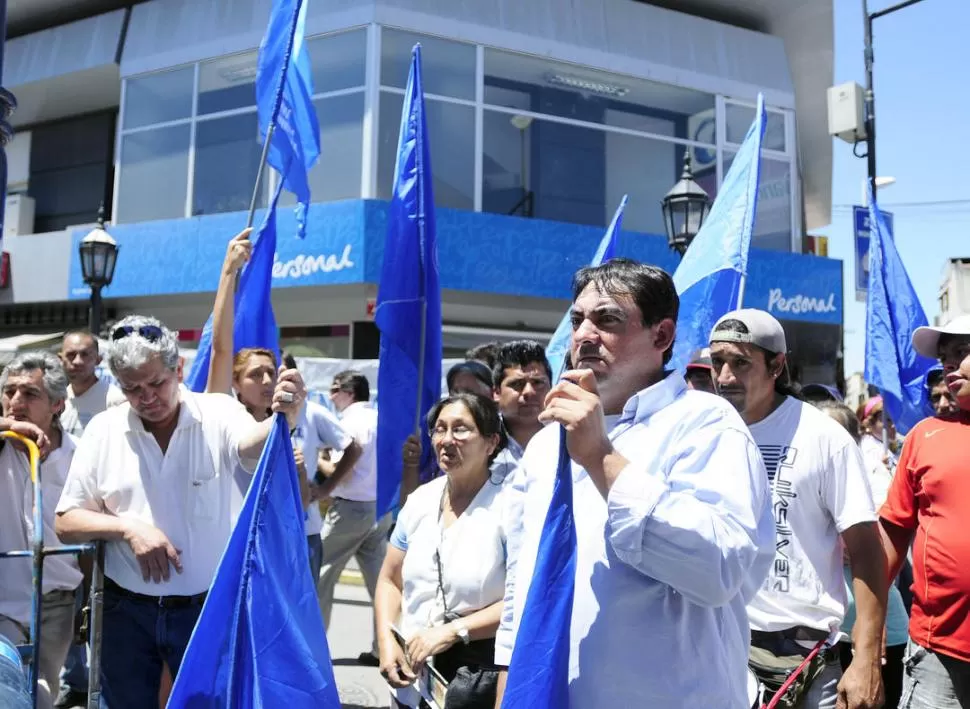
(738, 118)
(227, 83)
(773, 218)
(337, 173)
(158, 98)
(568, 173)
(448, 68)
(535, 84)
(227, 153)
(452, 147)
(338, 60)
(154, 174)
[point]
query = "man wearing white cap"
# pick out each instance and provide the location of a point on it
(821, 500)
(929, 499)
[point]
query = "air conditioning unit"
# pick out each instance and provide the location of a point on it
(19, 216)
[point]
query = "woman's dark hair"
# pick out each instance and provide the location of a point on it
(484, 413)
(843, 415)
(784, 384)
(477, 369)
(651, 288)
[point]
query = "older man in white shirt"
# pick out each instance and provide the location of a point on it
(154, 478)
(671, 505)
(33, 388)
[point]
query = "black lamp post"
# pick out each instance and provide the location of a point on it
(685, 208)
(99, 252)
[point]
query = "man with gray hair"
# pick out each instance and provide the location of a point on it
(33, 388)
(154, 479)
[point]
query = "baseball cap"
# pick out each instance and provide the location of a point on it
(926, 340)
(763, 330)
(701, 359)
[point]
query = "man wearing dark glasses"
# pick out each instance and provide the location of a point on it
(155, 478)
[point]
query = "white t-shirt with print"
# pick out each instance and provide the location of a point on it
(819, 489)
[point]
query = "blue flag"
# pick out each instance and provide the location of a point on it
(710, 278)
(254, 324)
(558, 346)
(284, 98)
(408, 308)
(260, 641)
(539, 670)
(893, 312)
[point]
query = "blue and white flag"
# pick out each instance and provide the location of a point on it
(408, 308)
(260, 642)
(557, 350)
(284, 98)
(710, 278)
(893, 312)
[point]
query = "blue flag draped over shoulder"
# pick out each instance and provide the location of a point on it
(893, 312)
(260, 641)
(710, 278)
(408, 308)
(284, 98)
(558, 346)
(539, 670)
(254, 324)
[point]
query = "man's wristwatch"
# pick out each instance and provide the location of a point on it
(462, 632)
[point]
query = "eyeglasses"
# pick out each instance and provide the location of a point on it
(152, 333)
(459, 433)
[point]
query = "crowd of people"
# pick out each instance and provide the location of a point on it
(737, 535)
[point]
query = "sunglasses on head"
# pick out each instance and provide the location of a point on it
(152, 333)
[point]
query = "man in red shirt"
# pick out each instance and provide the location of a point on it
(930, 498)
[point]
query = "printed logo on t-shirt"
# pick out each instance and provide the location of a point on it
(779, 460)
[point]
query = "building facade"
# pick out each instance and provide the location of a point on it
(954, 290)
(541, 116)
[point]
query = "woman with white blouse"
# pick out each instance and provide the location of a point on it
(443, 578)
(880, 463)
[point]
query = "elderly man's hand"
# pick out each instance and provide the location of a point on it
(289, 395)
(27, 430)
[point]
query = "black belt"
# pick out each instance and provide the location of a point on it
(160, 601)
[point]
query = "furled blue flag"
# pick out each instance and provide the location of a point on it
(260, 641)
(558, 346)
(710, 277)
(893, 312)
(254, 324)
(539, 670)
(408, 308)
(284, 98)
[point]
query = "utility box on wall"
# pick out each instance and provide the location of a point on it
(847, 117)
(19, 215)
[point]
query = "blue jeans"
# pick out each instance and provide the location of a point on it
(315, 548)
(138, 636)
(934, 681)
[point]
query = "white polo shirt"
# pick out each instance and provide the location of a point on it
(187, 492)
(61, 572)
(360, 484)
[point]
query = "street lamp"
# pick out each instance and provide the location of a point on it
(99, 252)
(685, 208)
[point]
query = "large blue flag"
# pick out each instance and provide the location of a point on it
(539, 670)
(893, 312)
(284, 98)
(260, 641)
(710, 278)
(408, 308)
(254, 324)
(558, 346)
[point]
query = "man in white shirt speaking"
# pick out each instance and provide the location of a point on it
(820, 493)
(351, 527)
(154, 478)
(671, 506)
(34, 387)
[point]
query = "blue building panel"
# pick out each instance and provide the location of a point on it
(480, 252)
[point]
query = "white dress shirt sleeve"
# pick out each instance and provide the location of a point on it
(330, 432)
(235, 423)
(515, 489)
(700, 527)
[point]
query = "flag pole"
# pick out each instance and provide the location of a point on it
(259, 173)
(423, 345)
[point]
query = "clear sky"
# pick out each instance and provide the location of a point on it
(922, 96)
